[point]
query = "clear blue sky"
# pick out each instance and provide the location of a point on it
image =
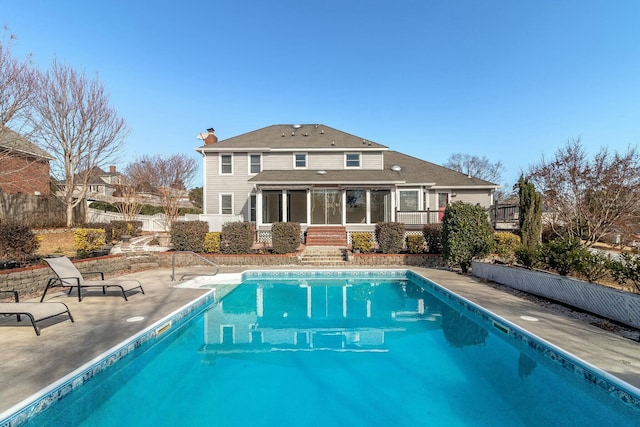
(507, 79)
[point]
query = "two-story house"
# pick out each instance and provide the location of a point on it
(24, 167)
(320, 176)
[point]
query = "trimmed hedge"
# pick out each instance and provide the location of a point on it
(237, 238)
(415, 244)
(362, 241)
(88, 239)
(285, 237)
(106, 226)
(390, 237)
(189, 235)
(432, 234)
(212, 242)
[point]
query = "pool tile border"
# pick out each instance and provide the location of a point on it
(582, 369)
(23, 411)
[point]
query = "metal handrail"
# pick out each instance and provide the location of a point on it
(173, 265)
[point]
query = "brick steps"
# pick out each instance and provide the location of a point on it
(326, 236)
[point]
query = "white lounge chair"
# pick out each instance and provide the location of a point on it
(35, 311)
(68, 276)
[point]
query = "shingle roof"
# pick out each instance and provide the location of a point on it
(14, 142)
(308, 137)
(419, 171)
(411, 171)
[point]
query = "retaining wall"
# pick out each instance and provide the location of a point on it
(623, 307)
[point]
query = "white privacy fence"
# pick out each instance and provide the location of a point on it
(158, 222)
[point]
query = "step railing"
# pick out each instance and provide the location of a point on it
(173, 265)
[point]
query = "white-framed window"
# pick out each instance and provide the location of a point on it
(94, 188)
(255, 163)
(226, 164)
(408, 200)
(300, 160)
(352, 160)
(226, 204)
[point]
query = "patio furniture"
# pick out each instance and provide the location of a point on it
(68, 276)
(35, 311)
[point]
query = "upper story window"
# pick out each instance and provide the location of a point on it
(255, 163)
(300, 160)
(226, 164)
(94, 188)
(352, 160)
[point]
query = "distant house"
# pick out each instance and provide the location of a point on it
(101, 185)
(319, 176)
(24, 167)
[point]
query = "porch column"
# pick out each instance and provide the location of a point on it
(284, 206)
(368, 204)
(258, 207)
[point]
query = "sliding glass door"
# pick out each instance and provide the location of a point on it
(326, 206)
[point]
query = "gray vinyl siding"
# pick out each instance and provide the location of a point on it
(462, 195)
(235, 184)
(320, 160)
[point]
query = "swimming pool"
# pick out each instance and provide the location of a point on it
(333, 348)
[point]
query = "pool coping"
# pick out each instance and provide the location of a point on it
(21, 412)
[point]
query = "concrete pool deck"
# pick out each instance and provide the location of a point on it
(31, 363)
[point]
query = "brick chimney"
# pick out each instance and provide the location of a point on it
(112, 169)
(211, 137)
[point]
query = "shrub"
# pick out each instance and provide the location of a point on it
(528, 256)
(285, 237)
(432, 234)
(362, 241)
(88, 239)
(390, 237)
(106, 226)
(626, 269)
(594, 266)
(151, 210)
(189, 235)
(564, 255)
(466, 234)
(17, 242)
(129, 228)
(505, 244)
(415, 243)
(103, 206)
(236, 238)
(212, 242)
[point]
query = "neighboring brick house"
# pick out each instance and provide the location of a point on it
(24, 167)
(320, 176)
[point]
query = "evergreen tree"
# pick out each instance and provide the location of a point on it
(466, 233)
(530, 213)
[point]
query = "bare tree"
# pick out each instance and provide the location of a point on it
(78, 127)
(18, 84)
(130, 203)
(169, 176)
(589, 198)
(477, 167)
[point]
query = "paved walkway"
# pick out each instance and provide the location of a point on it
(30, 363)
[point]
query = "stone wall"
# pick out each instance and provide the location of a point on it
(31, 281)
(386, 260)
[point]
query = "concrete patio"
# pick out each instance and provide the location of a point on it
(31, 362)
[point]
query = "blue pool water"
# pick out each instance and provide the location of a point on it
(356, 351)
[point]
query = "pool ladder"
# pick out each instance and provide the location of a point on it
(173, 265)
